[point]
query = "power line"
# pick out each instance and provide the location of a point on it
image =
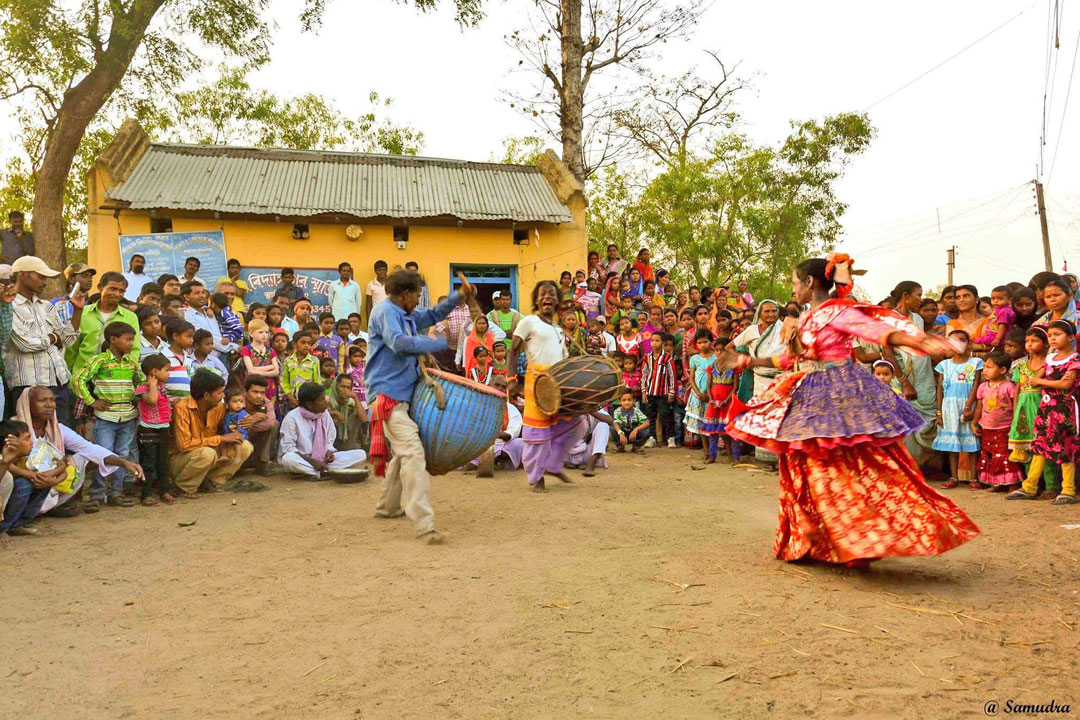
(1065, 108)
(955, 55)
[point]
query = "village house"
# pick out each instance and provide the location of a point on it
(503, 226)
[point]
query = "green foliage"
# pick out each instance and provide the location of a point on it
(739, 211)
(227, 111)
(522, 150)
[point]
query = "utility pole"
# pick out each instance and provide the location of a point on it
(1041, 200)
(952, 261)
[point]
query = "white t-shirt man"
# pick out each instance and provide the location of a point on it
(544, 343)
(135, 285)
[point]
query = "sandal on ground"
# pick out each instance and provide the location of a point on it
(951, 483)
(978, 486)
(168, 499)
(250, 486)
(25, 531)
(91, 506)
(1019, 495)
(121, 500)
(149, 501)
(1064, 499)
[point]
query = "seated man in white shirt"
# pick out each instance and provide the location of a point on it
(307, 437)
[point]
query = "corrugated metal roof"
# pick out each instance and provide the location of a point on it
(306, 183)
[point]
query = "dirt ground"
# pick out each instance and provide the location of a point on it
(648, 590)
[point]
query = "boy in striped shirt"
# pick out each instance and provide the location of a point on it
(181, 337)
(114, 376)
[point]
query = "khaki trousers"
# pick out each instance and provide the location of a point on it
(407, 482)
(188, 470)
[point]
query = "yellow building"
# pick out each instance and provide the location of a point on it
(504, 226)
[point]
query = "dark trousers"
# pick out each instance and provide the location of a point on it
(638, 441)
(658, 407)
(154, 458)
(23, 505)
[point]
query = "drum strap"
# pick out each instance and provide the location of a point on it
(427, 361)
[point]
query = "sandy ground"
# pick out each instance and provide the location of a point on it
(649, 590)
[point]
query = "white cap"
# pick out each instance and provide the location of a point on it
(29, 263)
(5, 272)
(496, 295)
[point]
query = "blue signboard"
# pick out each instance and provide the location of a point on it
(166, 252)
(315, 282)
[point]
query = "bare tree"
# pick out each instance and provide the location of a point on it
(567, 44)
(671, 113)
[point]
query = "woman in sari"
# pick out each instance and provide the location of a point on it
(761, 340)
(968, 317)
(1060, 304)
(593, 270)
(478, 337)
(916, 374)
(849, 491)
(37, 408)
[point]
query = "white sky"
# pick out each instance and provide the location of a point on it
(964, 139)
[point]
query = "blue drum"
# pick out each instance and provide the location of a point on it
(467, 426)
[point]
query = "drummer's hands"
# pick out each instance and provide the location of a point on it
(467, 291)
(329, 457)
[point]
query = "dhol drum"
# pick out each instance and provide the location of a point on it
(578, 385)
(463, 427)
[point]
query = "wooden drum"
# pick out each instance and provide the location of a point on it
(578, 385)
(463, 428)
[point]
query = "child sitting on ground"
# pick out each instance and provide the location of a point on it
(993, 416)
(349, 416)
(155, 414)
(29, 485)
(631, 424)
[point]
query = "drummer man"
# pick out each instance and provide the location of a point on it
(395, 340)
(548, 438)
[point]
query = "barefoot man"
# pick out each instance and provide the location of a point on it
(547, 438)
(395, 340)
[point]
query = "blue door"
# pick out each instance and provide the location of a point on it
(487, 279)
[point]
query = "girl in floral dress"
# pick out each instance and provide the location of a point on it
(850, 492)
(1057, 435)
(1028, 396)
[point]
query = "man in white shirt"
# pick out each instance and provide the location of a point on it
(135, 277)
(376, 289)
(344, 293)
(547, 438)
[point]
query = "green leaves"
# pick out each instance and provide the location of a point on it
(737, 211)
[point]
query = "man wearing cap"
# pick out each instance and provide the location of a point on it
(15, 241)
(136, 277)
(76, 274)
(33, 355)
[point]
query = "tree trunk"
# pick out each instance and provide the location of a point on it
(572, 97)
(80, 105)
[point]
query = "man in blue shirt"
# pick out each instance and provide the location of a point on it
(392, 370)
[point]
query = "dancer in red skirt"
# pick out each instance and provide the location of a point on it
(849, 491)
